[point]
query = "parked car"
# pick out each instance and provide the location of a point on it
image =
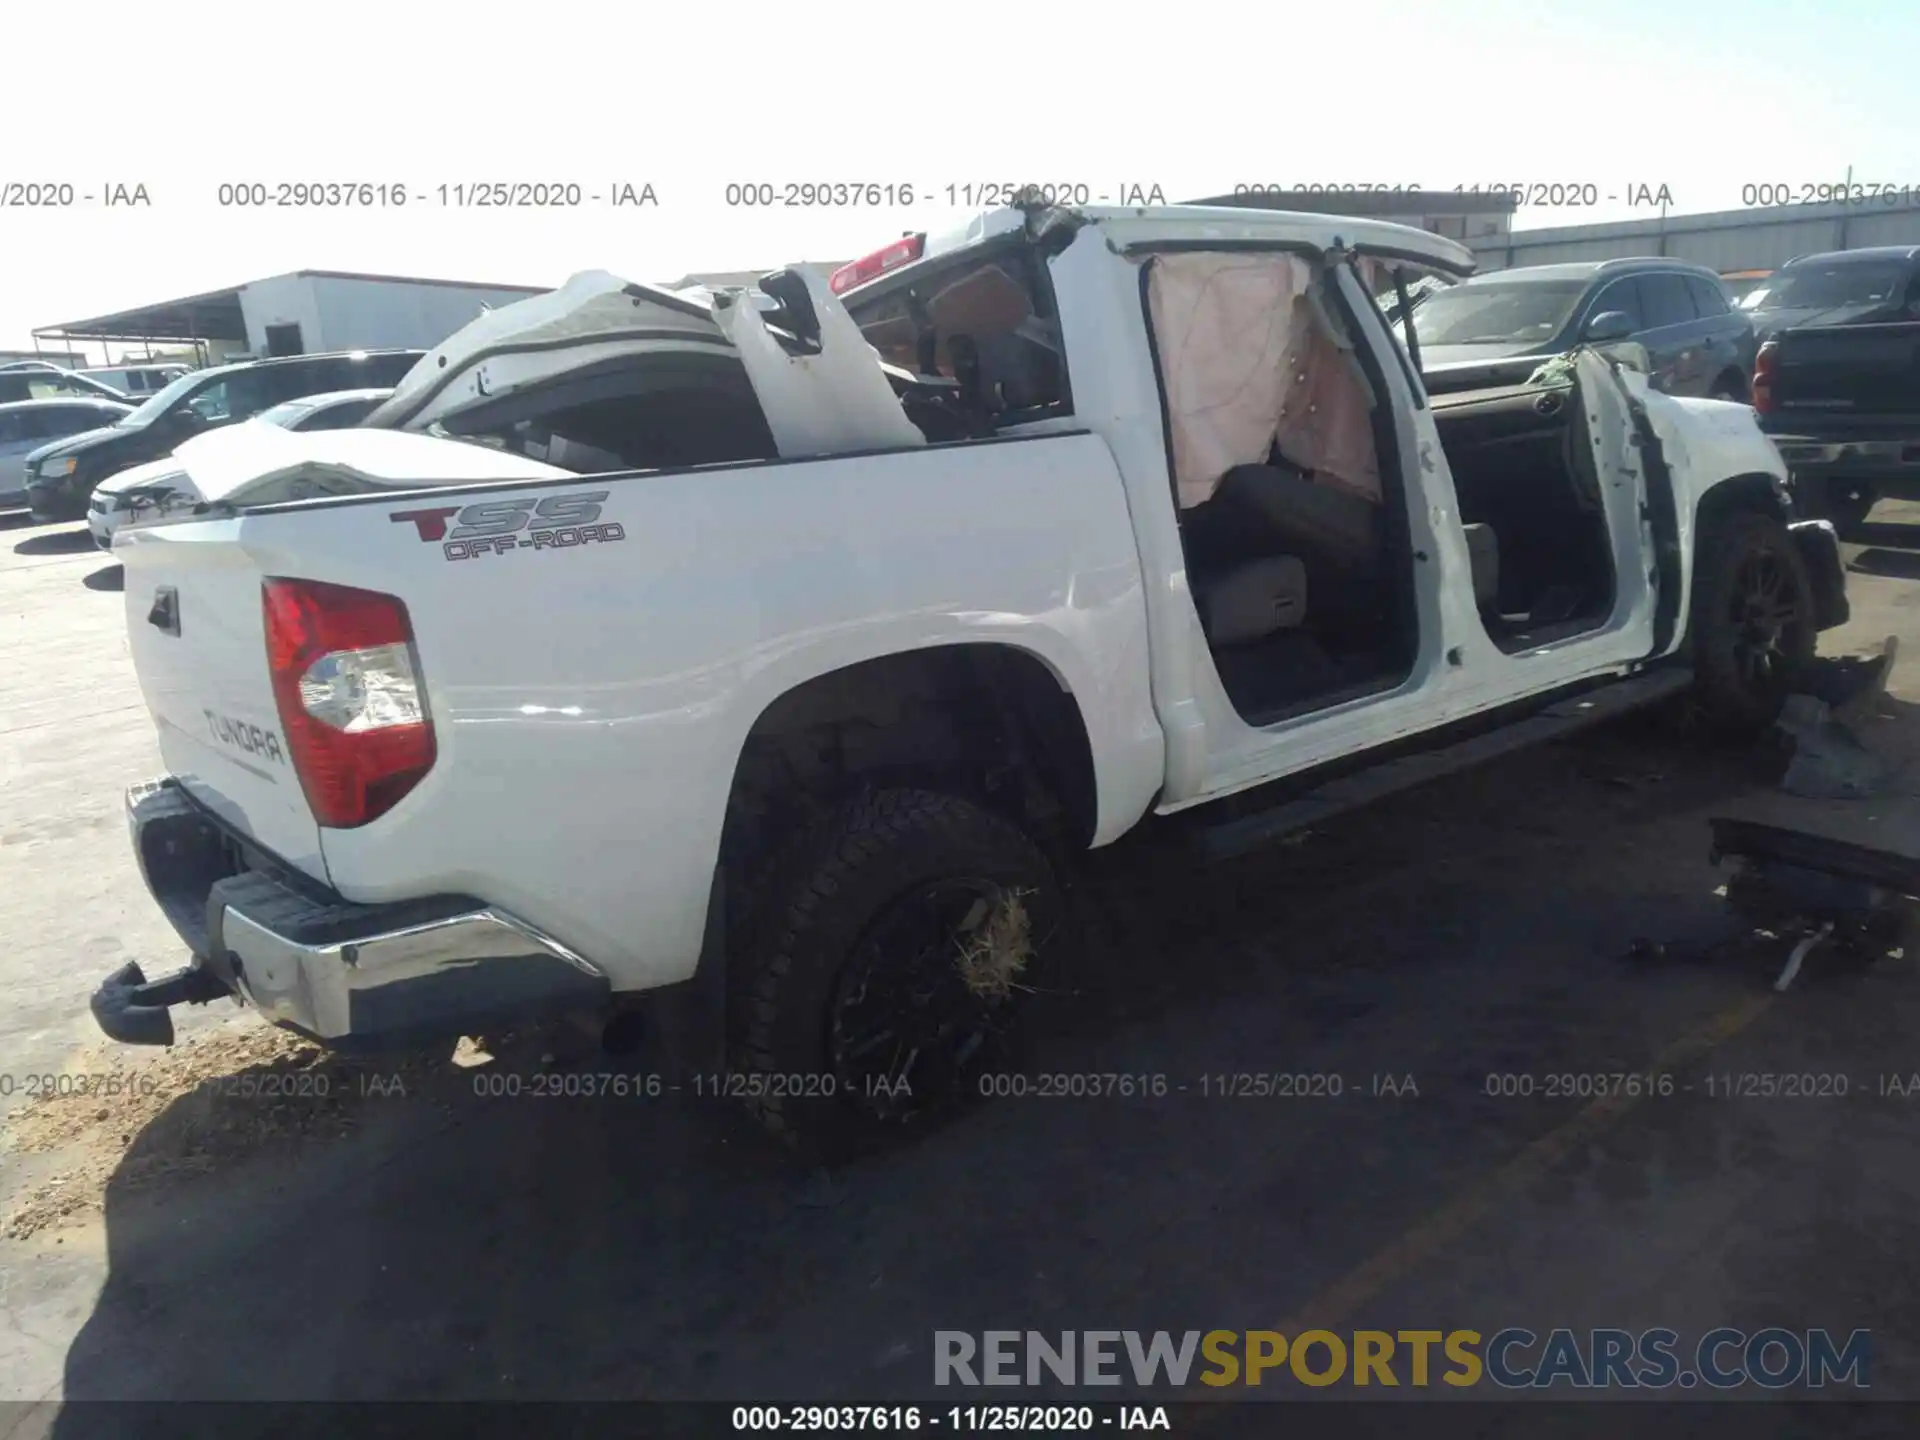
(1874, 286)
(1490, 326)
(138, 381)
(1842, 405)
(145, 490)
(792, 722)
(61, 477)
(29, 425)
(1417, 290)
(37, 381)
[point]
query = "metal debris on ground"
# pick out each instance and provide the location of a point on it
(1816, 890)
(1838, 698)
(1829, 761)
(1852, 684)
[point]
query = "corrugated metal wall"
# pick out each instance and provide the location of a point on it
(1727, 240)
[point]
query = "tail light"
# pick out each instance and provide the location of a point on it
(348, 690)
(903, 251)
(1760, 393)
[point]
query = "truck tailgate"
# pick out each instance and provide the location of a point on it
(198, 636)
(1859, 373)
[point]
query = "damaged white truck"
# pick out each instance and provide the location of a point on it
(775, 656)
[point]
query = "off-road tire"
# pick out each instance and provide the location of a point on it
(816, 907)
(1728, 698)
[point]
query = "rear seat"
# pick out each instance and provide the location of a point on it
(1253, 600)
(1333, 530)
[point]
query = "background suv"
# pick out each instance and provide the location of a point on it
(1696, 341)
(60, 477)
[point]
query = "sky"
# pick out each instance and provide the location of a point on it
(1706, 98)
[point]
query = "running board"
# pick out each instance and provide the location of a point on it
(1226, 839)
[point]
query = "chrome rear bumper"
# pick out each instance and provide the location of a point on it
(344, 973)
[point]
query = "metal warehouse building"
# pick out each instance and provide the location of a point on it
(302, 313)
(1725, 240)
(1476, 217)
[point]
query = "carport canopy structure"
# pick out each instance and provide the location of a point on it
(195, 319)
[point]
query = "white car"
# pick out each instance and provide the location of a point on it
(777, 682)
(144, 492)
(136, 382)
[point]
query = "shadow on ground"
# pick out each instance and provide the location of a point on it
(58, 542)
(1897, 534)
(1898, 564)
(461, 1243)
(107, 577)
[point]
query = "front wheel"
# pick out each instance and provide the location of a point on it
(1752, 625)
(893, 959)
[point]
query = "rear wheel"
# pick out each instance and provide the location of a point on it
(1752, 623)
(1729, 387)
(889, 967)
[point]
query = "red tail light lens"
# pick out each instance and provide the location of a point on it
(1760, 393)
(349, 695)
(903, 251)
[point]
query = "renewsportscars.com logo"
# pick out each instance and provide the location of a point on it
(497, 527)
(1513, 1358)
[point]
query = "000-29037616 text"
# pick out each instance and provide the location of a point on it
(955, 1419)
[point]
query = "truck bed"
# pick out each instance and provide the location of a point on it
(591, 678)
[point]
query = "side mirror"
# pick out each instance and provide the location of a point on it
(1608, 325)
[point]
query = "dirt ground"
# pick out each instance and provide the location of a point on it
(245, 1218)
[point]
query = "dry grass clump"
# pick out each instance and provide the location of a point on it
(998, 947)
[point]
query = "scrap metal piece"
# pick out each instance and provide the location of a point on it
(1829, 762)
(1774, 846)
(1800, 952)
(1822, 889)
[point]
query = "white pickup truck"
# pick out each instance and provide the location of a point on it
(775, 656)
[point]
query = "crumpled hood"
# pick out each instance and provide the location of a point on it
(254, 463)
(817, 400)
(138, 476)
(595, 307)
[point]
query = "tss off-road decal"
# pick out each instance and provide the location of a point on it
(494, 527)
